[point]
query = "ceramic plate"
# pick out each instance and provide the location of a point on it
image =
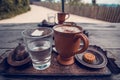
(100, 62)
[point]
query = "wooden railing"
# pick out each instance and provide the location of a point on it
(110, 14)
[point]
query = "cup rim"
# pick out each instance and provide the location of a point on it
(62, 13)
(67, 25)
(43, 36)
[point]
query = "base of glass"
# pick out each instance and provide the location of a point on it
(41, 67)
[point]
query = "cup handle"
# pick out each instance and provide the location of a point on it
(85, 40)
(68, 15)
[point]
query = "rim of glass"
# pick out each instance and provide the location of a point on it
(27, 36)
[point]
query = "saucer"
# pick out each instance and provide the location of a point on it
(18, 57)
(100, 61)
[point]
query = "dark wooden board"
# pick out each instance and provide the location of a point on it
(55, 69)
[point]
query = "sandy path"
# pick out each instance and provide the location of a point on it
(38, 13)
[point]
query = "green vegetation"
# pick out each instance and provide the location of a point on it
(10, 8)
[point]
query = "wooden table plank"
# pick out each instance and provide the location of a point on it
(18, 26)
(10, 39)
(105, 38)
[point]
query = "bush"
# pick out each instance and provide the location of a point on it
(10, 8)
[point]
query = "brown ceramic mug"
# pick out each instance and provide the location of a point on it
(62, 17)
(67, 43)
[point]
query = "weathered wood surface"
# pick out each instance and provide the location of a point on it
(106, 36)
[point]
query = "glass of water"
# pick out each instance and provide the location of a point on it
(39, 45)
(51, 18)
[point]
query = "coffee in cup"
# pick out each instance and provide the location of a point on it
(66, 29)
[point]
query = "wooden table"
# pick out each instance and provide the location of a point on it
(107, 36)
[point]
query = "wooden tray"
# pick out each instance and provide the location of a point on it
(55, 69)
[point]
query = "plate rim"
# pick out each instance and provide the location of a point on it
(103, 64)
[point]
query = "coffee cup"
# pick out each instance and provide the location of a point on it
(67, 42)
(62, 17)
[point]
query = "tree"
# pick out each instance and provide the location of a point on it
(10, 8)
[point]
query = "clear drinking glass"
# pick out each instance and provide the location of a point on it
(51, 18)
(39, 46)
